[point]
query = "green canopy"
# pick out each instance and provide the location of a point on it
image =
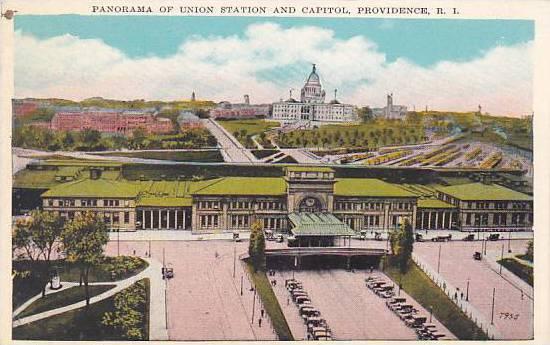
(318, 224)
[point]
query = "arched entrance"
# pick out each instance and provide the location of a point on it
(310, 204)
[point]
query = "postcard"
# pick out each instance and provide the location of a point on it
(292, 171)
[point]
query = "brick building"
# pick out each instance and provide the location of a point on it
(123, 122)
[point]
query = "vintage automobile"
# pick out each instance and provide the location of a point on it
(442, 238)
(469, 237)
(363, 235)
(493, 237)
(418, 238)
(279, 238)
(477, 256)
(269, 235)
(236, 237)
(167, 272)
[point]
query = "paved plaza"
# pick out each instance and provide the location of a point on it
(203, 299)
(352, 311)
(513, 297)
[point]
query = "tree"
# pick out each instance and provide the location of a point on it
(365, 114)
(128, 316)
(529, 251)
(256, 246)
(402, 241)
(91, 137)
(83, 239)
(37, 237)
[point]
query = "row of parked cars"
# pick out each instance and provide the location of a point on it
(317, 327)
(405, 311)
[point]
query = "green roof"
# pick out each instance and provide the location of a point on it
(369, 187)
(308, 169)
(433, 203)
(245, 186)
(481, 191)
(100, 188)
(318, 224)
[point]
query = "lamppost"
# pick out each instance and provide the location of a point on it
(509, 249)
(431, 312)
(467, 288)
(439, 258)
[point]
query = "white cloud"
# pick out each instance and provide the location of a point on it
(225, 68)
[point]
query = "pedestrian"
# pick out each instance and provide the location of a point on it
(461, 295)
(456, 296)
(287, 301)
(260, 322)
(146, 253)
(262, 312)
(134, 252)
(371, 268)
(274, 282)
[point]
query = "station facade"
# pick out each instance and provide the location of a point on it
(229, 204)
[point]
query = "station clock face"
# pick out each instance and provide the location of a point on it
(310, 202)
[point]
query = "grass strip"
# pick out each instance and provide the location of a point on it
(271, 304)
(524, 272)
(420, 287)
(62, 298)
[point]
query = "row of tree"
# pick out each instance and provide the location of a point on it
(43, 234)
(93, 140)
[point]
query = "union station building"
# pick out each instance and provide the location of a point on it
(229, 204)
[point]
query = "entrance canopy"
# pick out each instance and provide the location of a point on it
(305, 224)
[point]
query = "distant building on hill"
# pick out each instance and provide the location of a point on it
(312, 107)
(391, 111)
(112, 121)
(226, 110)
(23, 107)
(188, 120)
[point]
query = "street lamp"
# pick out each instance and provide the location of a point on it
(431, 312)
(467, 288)
(509, 249)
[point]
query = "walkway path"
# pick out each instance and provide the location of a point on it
(232, 150)
(157, 330)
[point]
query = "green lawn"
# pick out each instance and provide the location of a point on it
(420, 287)
(271, 304)
(63, 298)
(243, 130)
(25, 288)
(79, 324)
(367, 135)
(70, 272)
(522, 271)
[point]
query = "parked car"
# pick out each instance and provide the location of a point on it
(493, 237)
(279, 238)
(418, 238)
(469, 237)
(236, 237)
(477, 256)
(363, 235)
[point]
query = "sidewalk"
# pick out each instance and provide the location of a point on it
(172, 235)
(464, 305)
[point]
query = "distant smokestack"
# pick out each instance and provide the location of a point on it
(246, 99)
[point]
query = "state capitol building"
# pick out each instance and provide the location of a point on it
(312, 109)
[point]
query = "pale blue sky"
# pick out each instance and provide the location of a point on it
(423, 42)
(445, 64)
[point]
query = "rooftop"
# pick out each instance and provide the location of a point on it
(369, 187)
(318, 224)
(245, 186)
(308, 169)
(100, 188)
(481, 191)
